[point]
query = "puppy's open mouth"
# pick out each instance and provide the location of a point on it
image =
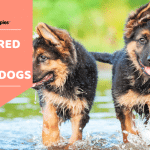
(146, 69)
(46, 79)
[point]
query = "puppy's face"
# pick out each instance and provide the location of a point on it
(142, 48)
(45, 62)
(51, 56)
(137, 38)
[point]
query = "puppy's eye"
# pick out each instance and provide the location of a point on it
(142, 40)
(42, 58)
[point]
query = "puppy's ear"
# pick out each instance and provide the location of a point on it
(59, 37)
(44, 31)
(135, 19)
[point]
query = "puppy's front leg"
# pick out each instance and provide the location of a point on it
(127, 124)
(50, 133)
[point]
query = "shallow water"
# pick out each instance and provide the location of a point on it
(21, 128)
(25, 133)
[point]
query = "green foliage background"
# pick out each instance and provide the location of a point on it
(97, 24)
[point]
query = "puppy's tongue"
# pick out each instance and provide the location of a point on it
(37, 83)
(46, 78)
(147, 70)
(34, 84)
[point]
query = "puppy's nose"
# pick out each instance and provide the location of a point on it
(148, 58)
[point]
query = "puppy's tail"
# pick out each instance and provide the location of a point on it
(103, 57)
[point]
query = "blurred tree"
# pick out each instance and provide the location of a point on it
(98, 24)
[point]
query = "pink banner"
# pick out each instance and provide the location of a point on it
(15, 48)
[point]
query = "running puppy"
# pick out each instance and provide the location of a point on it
(131, 70)
(65, 77)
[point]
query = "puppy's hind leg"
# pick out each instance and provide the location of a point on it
(78, 123)
(147, 114)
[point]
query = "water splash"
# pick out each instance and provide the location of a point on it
(140, 141)
(98, 134)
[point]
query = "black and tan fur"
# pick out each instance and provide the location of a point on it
(65, 77)
(131, 70)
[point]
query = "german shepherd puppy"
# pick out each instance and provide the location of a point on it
(131, 70)
(65, 77)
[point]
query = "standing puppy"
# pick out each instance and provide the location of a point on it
(65, 77)
(131, 70)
